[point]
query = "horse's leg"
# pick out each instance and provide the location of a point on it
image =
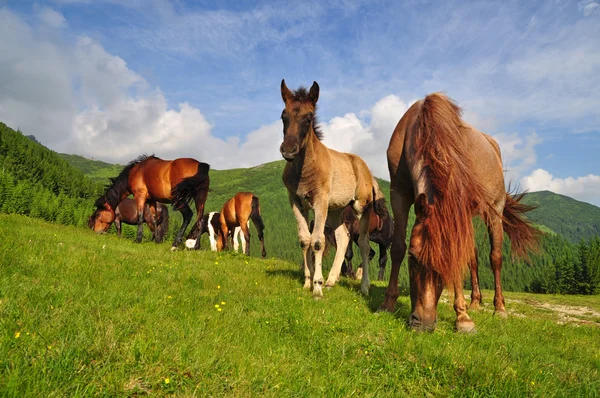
(317, 242)
(118, 226)
(341, 242)
(236, 243)
(363, 242)
(187, 215)
(475, 291)
(199, 201)
(304, 237)
(349, 256)
(496, 236)
(245, 237)
(401, 202)
(140, 201)
(382, 261)
(463, 322)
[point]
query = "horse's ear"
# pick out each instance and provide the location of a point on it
(286, 94)
(313, 94)
(421, 207)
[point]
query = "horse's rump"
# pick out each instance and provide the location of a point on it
(187, 189)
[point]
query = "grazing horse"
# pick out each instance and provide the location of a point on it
(150, 178)
(237, 212)
(451, 172)
(211, 224)
(326, 181)
(156, 217)
(381, 231)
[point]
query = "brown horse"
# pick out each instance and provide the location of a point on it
(451, 172)
(149, 178)
(156, 217)
(237, 212)
(325, 181)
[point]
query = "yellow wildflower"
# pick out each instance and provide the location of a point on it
(223, 303)
(216, 305)
(219, 309)
(17, 335)
(218, 286)
(167, 380)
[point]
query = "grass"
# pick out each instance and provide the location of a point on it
(84, 315)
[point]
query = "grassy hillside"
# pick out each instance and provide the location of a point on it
(83, 315)
(94, 169)
(566, 216)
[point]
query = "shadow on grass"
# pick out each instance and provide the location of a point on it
(373, 300)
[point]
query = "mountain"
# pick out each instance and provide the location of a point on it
(565, 216)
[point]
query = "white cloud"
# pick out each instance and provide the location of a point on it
(518, 153)
(370, 139)
(50, 17)
(586, 188)
(588, 7)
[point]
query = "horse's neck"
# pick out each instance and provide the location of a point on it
(309, 156)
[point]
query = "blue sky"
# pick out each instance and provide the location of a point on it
(113, 79)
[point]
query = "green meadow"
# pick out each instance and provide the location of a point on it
(89, 315)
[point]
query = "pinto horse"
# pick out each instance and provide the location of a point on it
(237, 212)
(451, 172)
(326, 181)
(150, 178)
(156, 217)
(211, 225)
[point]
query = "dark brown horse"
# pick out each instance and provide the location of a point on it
(451, 172)
(156, 217)
(381, 232)
(325, 181)
(149, 178)
(237, 212)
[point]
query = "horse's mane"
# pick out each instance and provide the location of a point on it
(301, 95)
(440, 141)
(118, 185)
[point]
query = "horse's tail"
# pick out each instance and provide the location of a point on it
(189, 187)
(163, 222)
(441, 147)
(379, 201)
(524, 237)
(258, 223)
(256, 217)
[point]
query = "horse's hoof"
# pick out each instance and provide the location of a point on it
(465, 326)
(474, 306)
(317, 292)
(358, 274)
(328, 287)
(173, 248)
(387, 306)
(501, 314)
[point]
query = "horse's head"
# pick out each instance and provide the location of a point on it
(101, 219)
(425, 284)
(298, 118)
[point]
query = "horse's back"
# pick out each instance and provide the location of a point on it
(350, 179)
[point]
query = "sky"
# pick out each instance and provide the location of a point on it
(113, 79)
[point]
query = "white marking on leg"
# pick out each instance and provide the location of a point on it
(211, 232)
(236, 243)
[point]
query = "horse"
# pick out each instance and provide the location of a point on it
(150, 178)
(451, 172)
(237, 212)
(211, 224)
(156, 217)
(381, 230)
(326, 181)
